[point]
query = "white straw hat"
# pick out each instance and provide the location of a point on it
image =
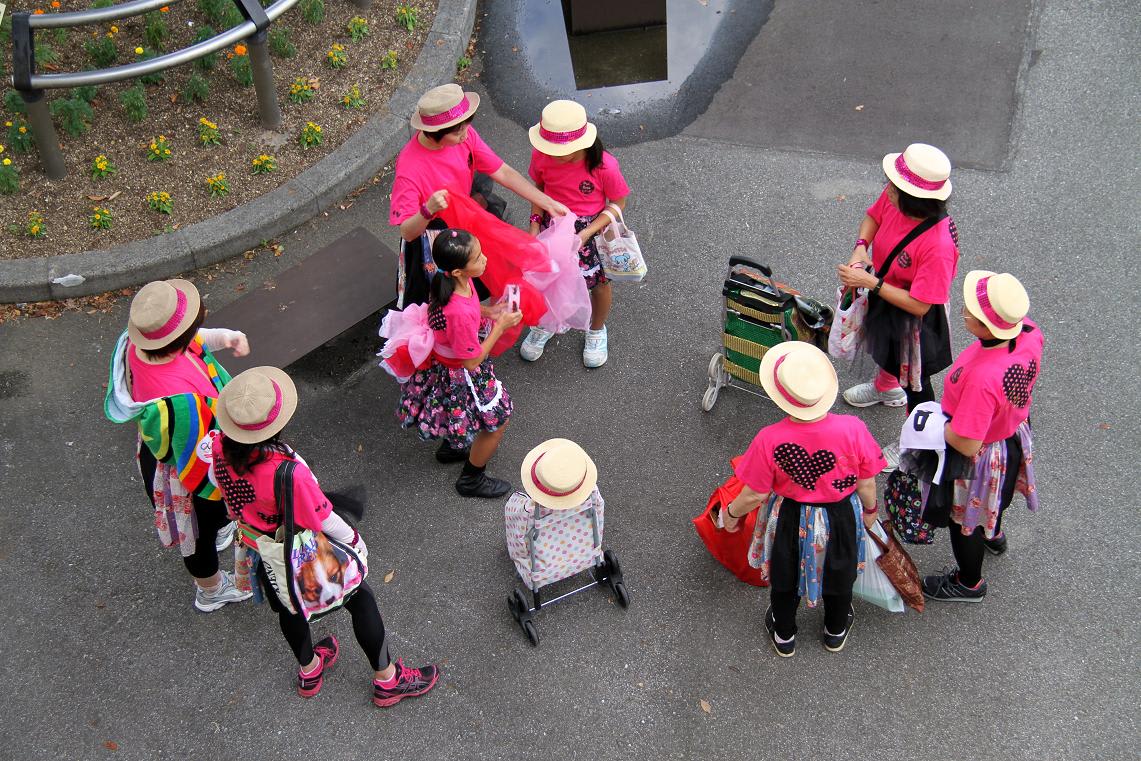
(256, 404)
(161, 312)
(922, 171)
(800, 379)
(997, 300)
(563, 129)
(558, 474)
(443, 106)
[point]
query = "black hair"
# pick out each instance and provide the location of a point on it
(243, 457)
(594, 155)
(920, 208)
(437, 135)
(179, 344)
(451, 251)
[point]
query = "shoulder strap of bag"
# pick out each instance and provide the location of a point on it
(916, 231)
(283, 496)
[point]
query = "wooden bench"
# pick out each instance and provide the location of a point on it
(313, 302)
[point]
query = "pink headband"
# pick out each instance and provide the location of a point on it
(562, 137)
(551, 492)
(914, 179)
(170, 325)
(435, 120)
(783, 392)
(989, 311)
(268, 418)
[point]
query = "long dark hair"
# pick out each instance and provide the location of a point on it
(179, 344)
(437, 135)
(451, 251)
(594, 155)
(243, 457)
(920, 208)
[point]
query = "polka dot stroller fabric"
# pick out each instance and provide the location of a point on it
(551, 545)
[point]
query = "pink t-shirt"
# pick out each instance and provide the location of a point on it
(185, 374)
(584, 193)
(459, 340)
(251, 496)
(988, 391)
(420, 172)
(813, 463)
(927, 266)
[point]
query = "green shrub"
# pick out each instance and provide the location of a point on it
(210, 60)
(214, 10)
(61, 36)
(74, 115)
(358, 28)
(9, 177)
(462, 63)
(240, 68)
(279, 43)
(406, 16)
(197, 89)
(313, 11)
(155, 31)
(19, 135)
(87, 92)
(134, 100)
(102, 4)
(102, 51)
(155, 77)
(231, 17)
(14, 103)
(45, 53)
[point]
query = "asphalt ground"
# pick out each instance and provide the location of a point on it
(103, 646)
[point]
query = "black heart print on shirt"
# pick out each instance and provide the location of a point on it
(1016, 383)
(802, 468)
(840, 484)
(238, 492)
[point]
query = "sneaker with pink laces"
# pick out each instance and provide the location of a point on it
(326, 651)
(405, 683)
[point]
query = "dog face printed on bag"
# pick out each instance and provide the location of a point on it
(320, 579)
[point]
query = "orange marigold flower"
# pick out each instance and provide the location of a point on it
(55, 3)
(38, 12)
(164, 9)
(239, 49)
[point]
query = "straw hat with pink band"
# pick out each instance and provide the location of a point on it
(443, 106)
(562, 129)
(161, 312)
(800, 379)
(558, 474)
(256, 404)
(922, 171)
(996, 300)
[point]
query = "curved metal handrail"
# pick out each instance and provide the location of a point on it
(159, 63)
(96, 15)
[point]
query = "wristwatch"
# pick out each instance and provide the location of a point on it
(879, 284)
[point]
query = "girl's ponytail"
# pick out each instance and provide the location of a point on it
(594, 154)
(450, 251)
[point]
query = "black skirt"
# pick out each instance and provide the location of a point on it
(886, 325)
(841, 556)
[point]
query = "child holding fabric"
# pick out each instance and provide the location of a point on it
(813, 476)
(570, 165)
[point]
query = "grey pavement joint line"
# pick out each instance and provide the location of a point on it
(285, 208)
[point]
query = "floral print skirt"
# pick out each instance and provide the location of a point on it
(453, 404)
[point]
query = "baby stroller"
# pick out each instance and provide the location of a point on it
(552, 545)
(759, 314)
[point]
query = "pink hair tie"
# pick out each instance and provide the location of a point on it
(454, 112)
(784, 392)
(551, 492)
(268, 418)
(169, 326)
(988, 310)
(906, 173)
(562, 137)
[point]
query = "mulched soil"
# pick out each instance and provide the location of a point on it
(67, 204)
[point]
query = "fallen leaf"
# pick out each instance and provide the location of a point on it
(860, 107)
(705, 706)
(115, 195)
(360, 448)
(241, 287)
(101, 605)
(249, 254)
(96, 198)
(111, 745)
(1103, 426)
(388, 576)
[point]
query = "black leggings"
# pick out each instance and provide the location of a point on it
(969, 550)
(924, 394)
(368, 626)
(209, 515)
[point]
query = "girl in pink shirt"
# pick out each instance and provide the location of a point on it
(987, 397)
(569, 163)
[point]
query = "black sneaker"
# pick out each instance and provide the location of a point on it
(783, 649)
(946, 586)
(448, 454)
(834, 643)
(482, 485)
(997, 545)
(409, 684)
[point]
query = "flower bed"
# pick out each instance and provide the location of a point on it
(155, 154)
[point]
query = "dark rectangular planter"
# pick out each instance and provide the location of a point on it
(586, 16)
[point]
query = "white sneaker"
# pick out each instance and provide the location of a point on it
(224, 594)
(865, 395)
(225, 536)
(891, 454)
(533, 345)
(594, 352)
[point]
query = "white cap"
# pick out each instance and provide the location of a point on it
(923, 429)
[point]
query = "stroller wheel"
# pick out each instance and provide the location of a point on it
(622, 594)
(716, 370)
(518, 604)
(613, 568)
(532, 632)
(709, 398)
(513, 607)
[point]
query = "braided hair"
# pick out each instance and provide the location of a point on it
(450, 251)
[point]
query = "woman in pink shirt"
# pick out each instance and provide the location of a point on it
(987, 397)
(914, 254)
(446, 152)
(569, 163)
(813, 476)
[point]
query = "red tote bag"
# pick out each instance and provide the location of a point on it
(730, 549)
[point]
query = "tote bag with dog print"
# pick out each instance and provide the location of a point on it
(311, 573)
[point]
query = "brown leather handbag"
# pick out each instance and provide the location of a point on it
(899, 568)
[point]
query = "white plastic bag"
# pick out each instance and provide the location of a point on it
(622, 259)
(848, 324)
(872, 585)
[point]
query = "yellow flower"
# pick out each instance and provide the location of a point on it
(7, 162)
(7, 124)
(1, 149)
(114, 30)
(138, 51)
(23, 130)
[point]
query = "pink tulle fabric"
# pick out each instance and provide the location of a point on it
(408, 341)
(564, 289)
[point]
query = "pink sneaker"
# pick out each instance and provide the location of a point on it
(326, 650)
(408, 683)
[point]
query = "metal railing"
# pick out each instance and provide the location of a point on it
(32, 85)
